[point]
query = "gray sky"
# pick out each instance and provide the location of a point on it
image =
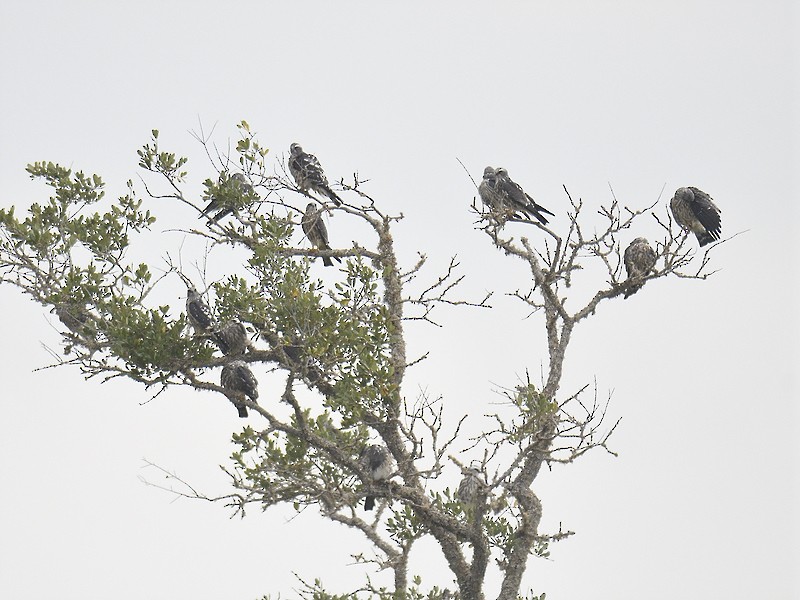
(702, 499)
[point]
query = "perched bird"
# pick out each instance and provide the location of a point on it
(74, 316)
(639, 259)
(228, 197)
(200, 315)
(695, 211)
(377, 462)
(308, 175)
(316, 232)
(470, 486)
(238, 379)
(514, 198)
(488, 191)
(231, 338)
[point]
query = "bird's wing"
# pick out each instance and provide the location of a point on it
(248, 380)
(538, 207)
(200, 312)
(513, 191)
(706, 212)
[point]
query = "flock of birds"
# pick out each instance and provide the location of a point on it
(693, 210)
(239, 382)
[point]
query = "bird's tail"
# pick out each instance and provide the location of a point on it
(541, 208)
(704, 238)
(369, 503)
(242, 411)
(541, 218)
(326, 260)
(332, 195)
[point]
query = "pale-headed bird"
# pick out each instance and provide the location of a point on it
(239, 381)
(308, 174)
(198, 312)
(488, 191)
(695, 211)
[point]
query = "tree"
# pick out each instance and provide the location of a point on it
(340, 351)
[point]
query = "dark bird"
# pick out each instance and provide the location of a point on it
(377, 462)
(200, 315)
(231, 338)
(695, 211)
(496, 200)
(316, 232)
(308, 175)
(514, 198)
(232, 192)
(239, 381)
(639, 259)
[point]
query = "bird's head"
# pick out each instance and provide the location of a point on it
(295, 149)
(684, 193)
(640, 240)
(310, 207)
(488, 173)
(501, 172)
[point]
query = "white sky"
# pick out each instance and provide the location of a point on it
(702, 501)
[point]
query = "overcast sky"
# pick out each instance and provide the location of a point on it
(702, 501)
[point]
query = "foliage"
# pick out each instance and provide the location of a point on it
(340, 350)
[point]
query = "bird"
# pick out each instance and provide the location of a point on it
(639, 259)
(231, 338)
(470, 486)
(316, 232)
(74, 316)
(695, 211)
(514, 198)
(469, 491)
(238, 379)
(308, 175)
(200, 315)
(228, 197)
(377, 462)
(488, 191)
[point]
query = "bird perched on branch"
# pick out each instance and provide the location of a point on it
(231, 193)
(198, 312)
(469, 491)
(488, 191)
(695, 211)
(308, 175)
(516, 199)
(502, 195)
(377, 462)
(239, 381)
(75, 317)
(639, 259)
(471, 484)
(231, 338)
(316, 232)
